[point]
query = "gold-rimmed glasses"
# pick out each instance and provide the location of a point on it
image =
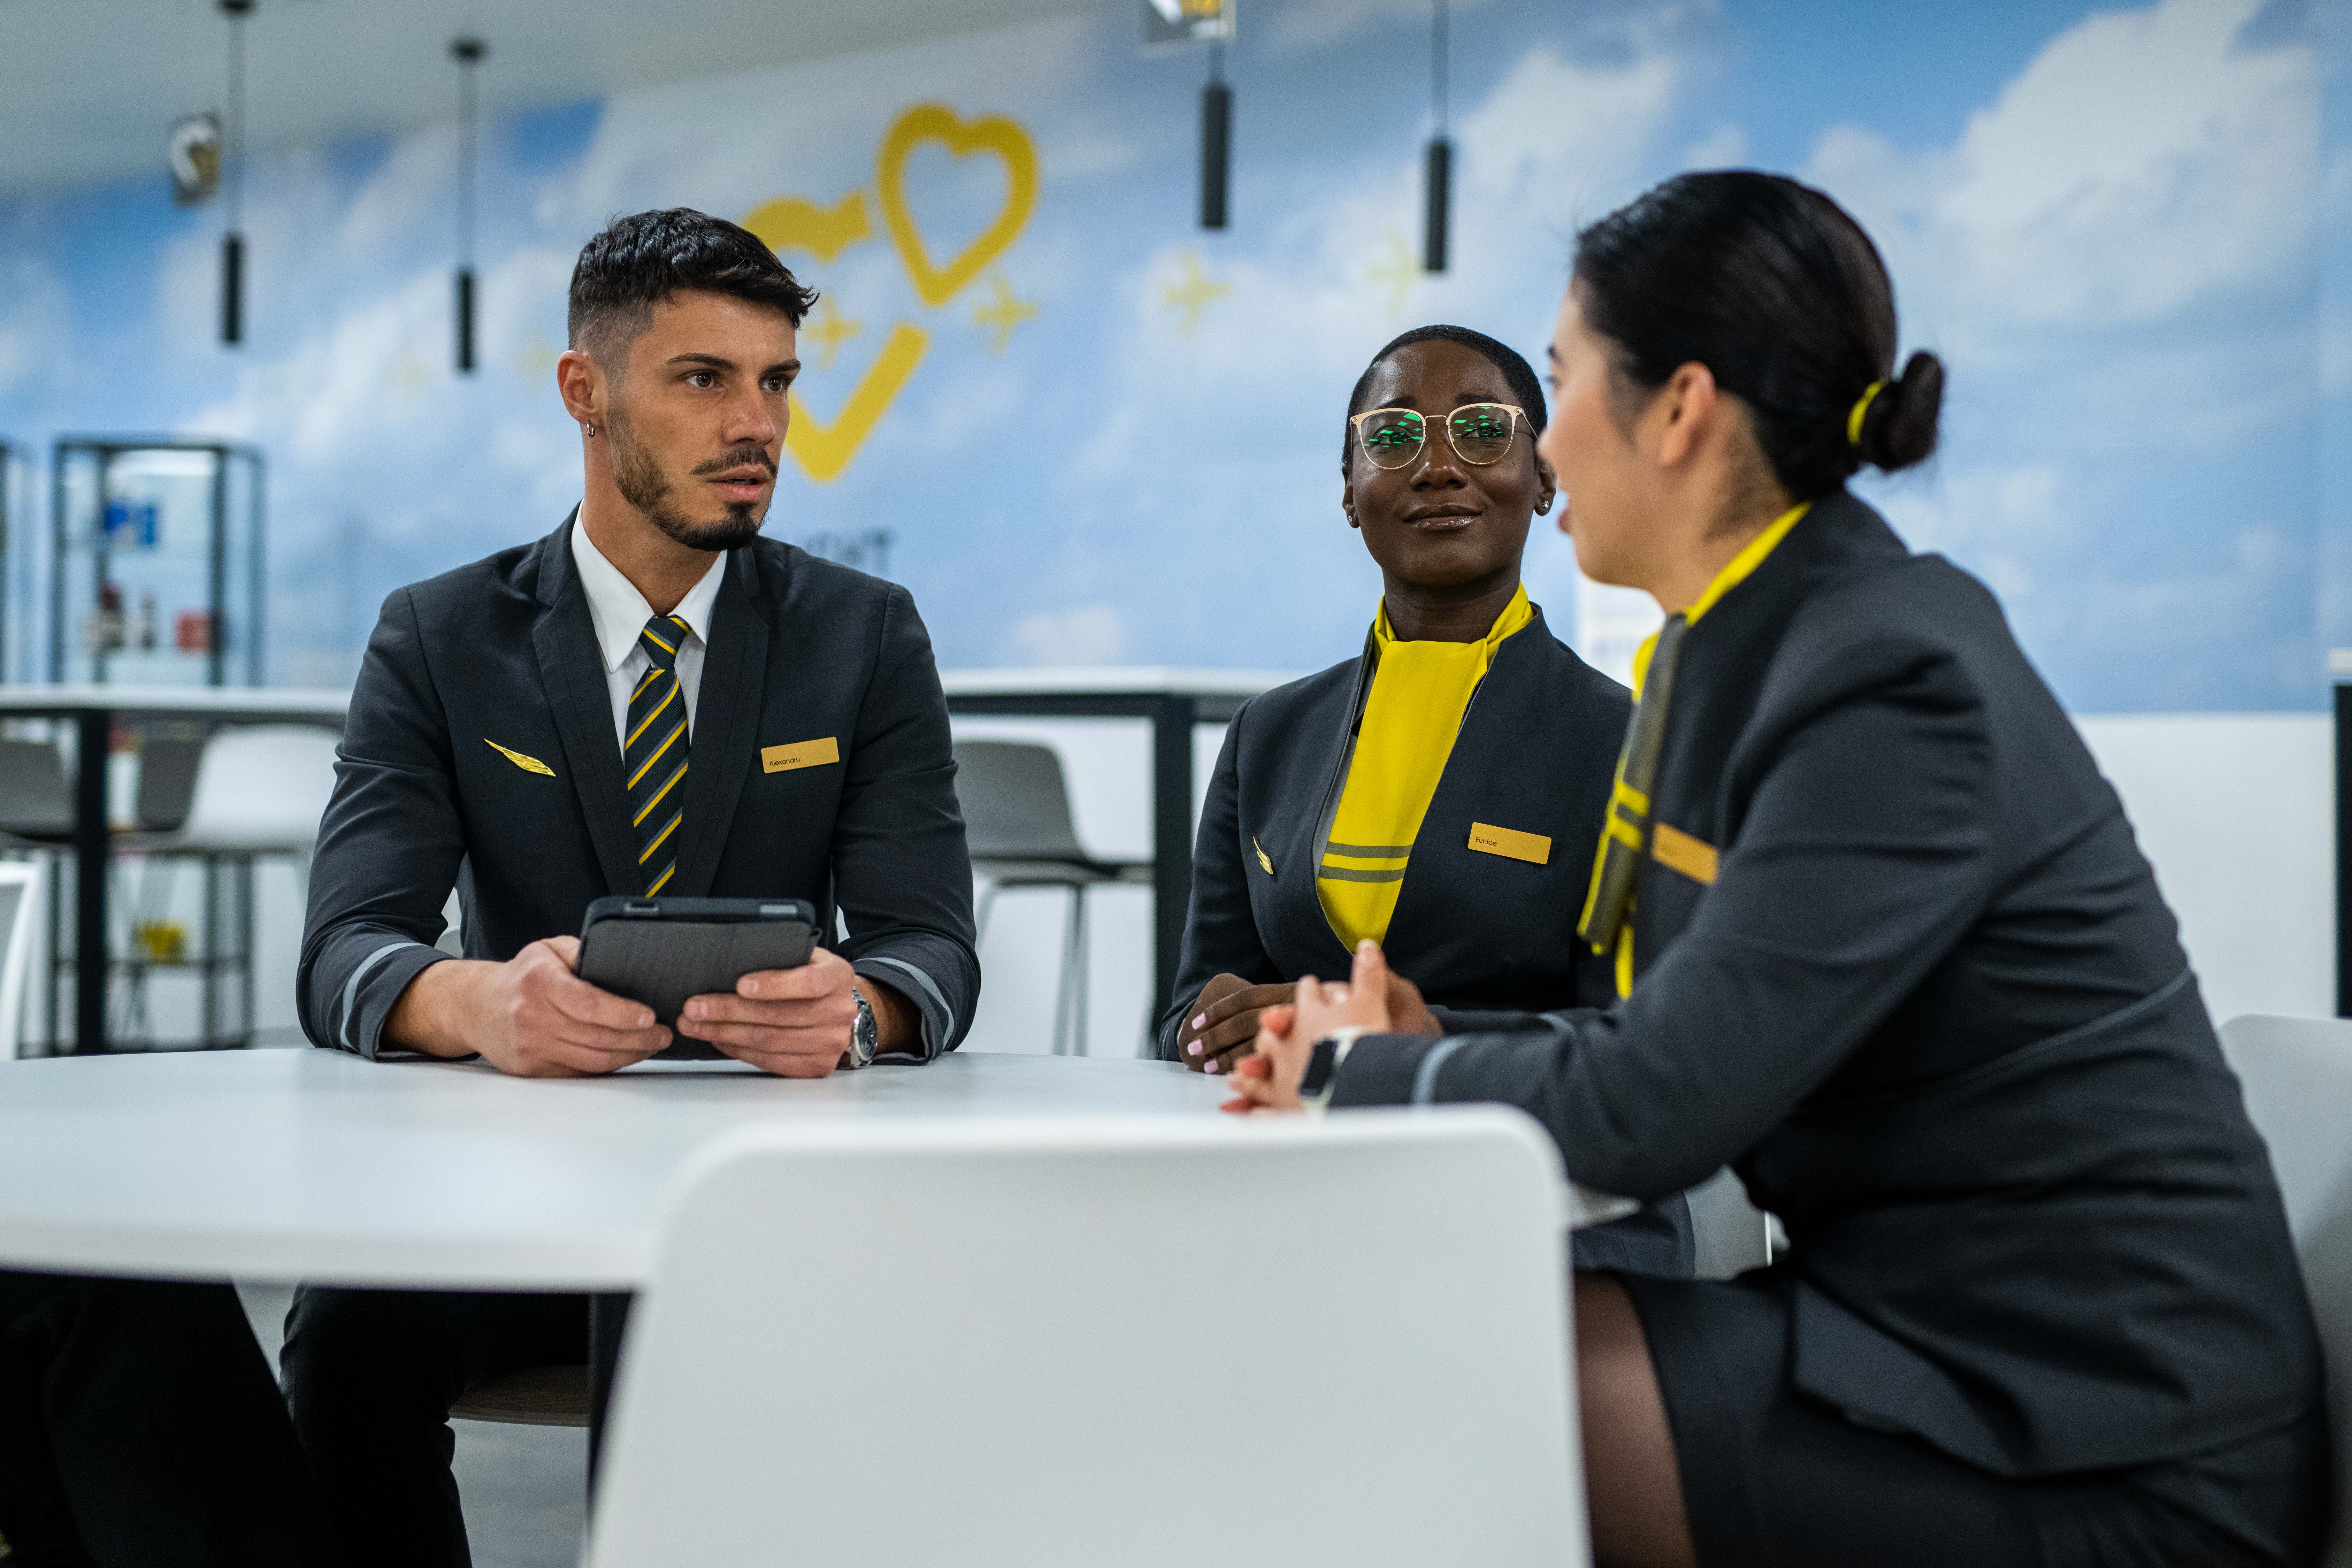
(1480, 433)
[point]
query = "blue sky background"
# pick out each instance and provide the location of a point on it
(2125, 228)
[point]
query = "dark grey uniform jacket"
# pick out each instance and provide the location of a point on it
(503, 650)
(1536, 753)
(1934, 1011)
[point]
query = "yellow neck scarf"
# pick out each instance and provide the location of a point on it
(1419, 692)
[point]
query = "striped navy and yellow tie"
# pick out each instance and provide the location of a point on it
(654, 754)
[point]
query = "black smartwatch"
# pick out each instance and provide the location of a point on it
(1323, 1061)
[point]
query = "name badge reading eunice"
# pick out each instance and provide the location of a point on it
(1532, 848)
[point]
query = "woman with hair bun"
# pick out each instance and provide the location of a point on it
(1890, 952)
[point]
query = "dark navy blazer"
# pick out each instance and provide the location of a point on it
(1934, 1011)
(503, 651)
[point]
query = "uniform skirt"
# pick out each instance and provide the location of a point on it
(1774, 1478)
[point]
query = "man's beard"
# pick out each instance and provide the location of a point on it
(639, 477)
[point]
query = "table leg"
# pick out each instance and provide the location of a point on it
(2343, 699)
(1173, 722)
(91, 853)
(608, 1315)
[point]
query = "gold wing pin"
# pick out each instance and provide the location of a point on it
(528, 764)
(1261, 856)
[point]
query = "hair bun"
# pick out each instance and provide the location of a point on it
(1899, 428)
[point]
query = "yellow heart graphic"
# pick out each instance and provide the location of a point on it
(990, 133)
(824, 450)
(793, 221)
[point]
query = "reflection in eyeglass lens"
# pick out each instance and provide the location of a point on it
(1482, 432)
(1391, 437)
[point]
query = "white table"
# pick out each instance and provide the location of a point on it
(93, 708)
(310, 1164)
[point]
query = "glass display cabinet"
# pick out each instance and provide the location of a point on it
(156, 560)
(13, 575)
(155, 581)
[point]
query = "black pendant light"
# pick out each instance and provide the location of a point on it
(233, 178)
(1216, 138)
(467, 53)
(1438, 194)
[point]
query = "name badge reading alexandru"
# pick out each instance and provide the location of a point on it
(1532, 848)
(799, 754)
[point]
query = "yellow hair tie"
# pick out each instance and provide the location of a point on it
(1861, 408)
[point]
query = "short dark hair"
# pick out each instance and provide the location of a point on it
(1517, 375)
(641, 260)
(1778, 292)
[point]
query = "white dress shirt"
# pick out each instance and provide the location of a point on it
(620, 613)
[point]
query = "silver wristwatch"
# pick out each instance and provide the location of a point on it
(864, 1037)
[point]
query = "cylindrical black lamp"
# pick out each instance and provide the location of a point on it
(1216, 140)
(467, 53)
(233, 178)
(1437, 195)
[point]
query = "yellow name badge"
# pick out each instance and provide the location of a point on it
(1678, 851)
(1532, 848)
(799, 754)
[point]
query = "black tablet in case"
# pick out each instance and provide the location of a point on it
(660, 952)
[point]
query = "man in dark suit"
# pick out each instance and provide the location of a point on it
(652, 699)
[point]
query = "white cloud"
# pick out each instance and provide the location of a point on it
(35, 316)
(2141, 163)
(1089, 635)
(1724, 147)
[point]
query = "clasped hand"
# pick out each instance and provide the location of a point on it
(534, 1017)
(1373, 998)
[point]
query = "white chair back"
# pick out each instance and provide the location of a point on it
(1157, 1343)
(260, 789)
(2297, 1076)
(20, 915)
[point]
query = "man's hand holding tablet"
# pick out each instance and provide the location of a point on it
(530, 1015)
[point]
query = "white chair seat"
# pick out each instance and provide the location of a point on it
(535, 1396)
(260, 789)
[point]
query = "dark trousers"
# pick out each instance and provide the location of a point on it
(138, 1426)
(370, 1378)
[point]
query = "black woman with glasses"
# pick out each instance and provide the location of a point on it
(1897, 960)
(1439, 792)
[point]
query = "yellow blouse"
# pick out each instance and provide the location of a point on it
(1419, 692)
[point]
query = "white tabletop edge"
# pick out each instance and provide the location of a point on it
(288, 700)
(1112, 680)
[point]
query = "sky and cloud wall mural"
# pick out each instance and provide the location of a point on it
(1092, 433)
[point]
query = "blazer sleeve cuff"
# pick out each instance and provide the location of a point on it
(1386, 1069)
(356, 1010)
(1464, 1021)
(923, 992)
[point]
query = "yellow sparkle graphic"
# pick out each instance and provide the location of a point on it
(1398, 274)
(409, 370)
(537, 356)
(1192, 294)
(829, 329)
(1004, 313)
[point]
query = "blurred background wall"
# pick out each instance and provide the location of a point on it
(1094, 433)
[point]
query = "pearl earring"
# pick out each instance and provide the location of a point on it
(589, 429)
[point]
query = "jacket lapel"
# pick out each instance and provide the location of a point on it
(573, 672)
(1324, 772)
(726, 721)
